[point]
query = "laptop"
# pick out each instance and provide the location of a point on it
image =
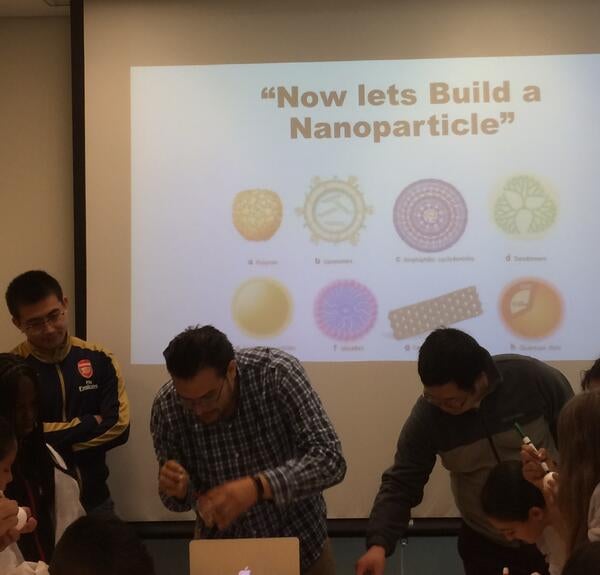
(268, 556)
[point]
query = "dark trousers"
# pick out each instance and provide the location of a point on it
(481, 556)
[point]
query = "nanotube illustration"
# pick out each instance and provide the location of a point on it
(430, 314)
(345, 310)
(430, 215)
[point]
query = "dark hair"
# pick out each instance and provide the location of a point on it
(29, 288)
(7, 438)
(198, 348)
(33, 469)
(100, 546)
(507, 495)
(585, 560)
(450, 355)
(590, 374)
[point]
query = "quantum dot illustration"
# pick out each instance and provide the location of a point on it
(262, 307)
(524, 207)
(531, 308)
(430, 215)
(334, 210)
(345, 310)
(257, 214)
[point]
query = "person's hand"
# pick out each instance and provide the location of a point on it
(223, 504)
(8, 522)
(372, 562)
(31, 523)
(173, 480)
(532, 465)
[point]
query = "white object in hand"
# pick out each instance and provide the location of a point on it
(505, 571)
(544, 465)
(21, 518)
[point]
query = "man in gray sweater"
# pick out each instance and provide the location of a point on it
(466, 415)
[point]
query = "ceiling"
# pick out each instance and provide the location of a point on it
(32, 8)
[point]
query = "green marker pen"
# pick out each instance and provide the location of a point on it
(527, 441)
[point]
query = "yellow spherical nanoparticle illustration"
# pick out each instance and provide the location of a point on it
(262, 307)
(257, 214)
(531, 308)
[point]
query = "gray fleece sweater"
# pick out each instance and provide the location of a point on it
(522, 389)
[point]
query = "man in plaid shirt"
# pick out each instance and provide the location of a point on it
(243, 439)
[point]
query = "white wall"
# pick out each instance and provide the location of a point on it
(36, 207)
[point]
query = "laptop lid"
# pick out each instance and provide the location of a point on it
(268, 556)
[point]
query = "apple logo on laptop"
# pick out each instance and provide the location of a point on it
(245, 571)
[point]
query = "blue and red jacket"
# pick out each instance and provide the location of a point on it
(86, 383)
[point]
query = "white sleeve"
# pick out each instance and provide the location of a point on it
(28, 568)
(67, 505)
(594, 515)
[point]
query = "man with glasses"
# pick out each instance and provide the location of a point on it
(466, 416)
(83, 401)
(243, 440)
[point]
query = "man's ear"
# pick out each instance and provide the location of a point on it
(232, 369)
(536, 513)
(16, 323)
(65, 302)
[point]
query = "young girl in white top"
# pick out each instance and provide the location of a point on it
(39, 477)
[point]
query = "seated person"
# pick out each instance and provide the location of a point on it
(39, 477)
(517, 509)
(98, 546)
(584, 561)
(11, 522)
(590, 379)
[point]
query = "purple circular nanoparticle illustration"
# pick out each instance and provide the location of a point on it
(345, 310)
(430, 215)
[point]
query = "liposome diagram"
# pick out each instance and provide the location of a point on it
(430, 215)
(334, 210)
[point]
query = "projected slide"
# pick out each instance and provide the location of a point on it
(342, 210)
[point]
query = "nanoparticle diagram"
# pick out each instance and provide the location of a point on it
(531, 308)
(334, 210)
(345, 310)
(257, 214)
(430, 215)
(430, 314)
(524, 207)
(262, 307)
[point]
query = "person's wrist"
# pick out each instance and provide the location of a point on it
(259, 488)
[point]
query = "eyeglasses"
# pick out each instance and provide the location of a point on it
(39, 323)
(450, 402)
(210, 398)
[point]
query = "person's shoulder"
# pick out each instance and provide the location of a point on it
(265, 357)
(521, 364)
(23, 349)
(83, 346)
(516, 358)
(166, 394)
